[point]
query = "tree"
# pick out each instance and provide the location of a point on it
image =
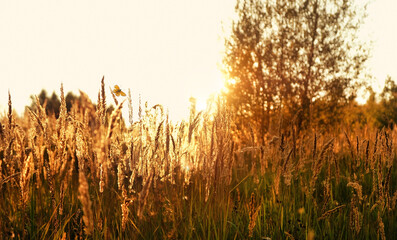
(53, 103)
(292, 56)
(386, 114)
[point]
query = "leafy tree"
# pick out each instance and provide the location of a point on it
(53, 103)
(386, 114)
(292, 56)
(361, 116)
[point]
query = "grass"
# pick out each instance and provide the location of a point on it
(87, 175)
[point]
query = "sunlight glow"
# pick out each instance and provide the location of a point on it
(232, 81)
(201, 105)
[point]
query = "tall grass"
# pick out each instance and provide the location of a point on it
(89, 175)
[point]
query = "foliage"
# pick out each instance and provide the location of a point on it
(379, 111)
(53, 103)
(296, 58)
(387, 112)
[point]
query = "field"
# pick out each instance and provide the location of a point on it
(90, 175)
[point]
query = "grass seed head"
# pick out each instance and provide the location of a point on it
(85, 200)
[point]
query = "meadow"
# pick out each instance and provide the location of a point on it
(88, 174)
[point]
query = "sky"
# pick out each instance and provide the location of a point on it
(381, 28)
(164, 50)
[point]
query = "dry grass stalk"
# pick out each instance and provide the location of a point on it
(41, 113)
(27, 170)
(289, 235)
(350, 145)
(140, 109)
(61, 127)
(99, 109)
(130, 109)
(387, 182)
(167, 146)
(388, 144)
(237, 200)
(394, 200)
(376, 143)
(132, 163)
(356, 186)
(1, 132)
(41, 118)
(62, 111)
(114, 97)
(124, 215)
(101, 178)
(124, 210)
(287, 169)
(9, 111)
(230, 166)
(330, 212)
(34, 116)
(81, 149)
(337, 170)
(1, 160)
(48, 159)
(253, 213)
(327, 146)
(378, 183)
(116, 114)
(319, 162)
(84, 197)
(314, 151)
(327, 193)
(355, 216)
(144, 194)
(103, 101)
(276, 182)
(156, 139)
(293, 129)
(120, 176)
(381, 228)
(192, 125)
(367, 155)
(61, 197)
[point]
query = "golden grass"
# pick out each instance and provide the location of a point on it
(88, 174)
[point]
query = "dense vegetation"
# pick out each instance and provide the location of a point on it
(87, 174)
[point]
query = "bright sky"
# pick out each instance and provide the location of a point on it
(166, 51)
(381, 28)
